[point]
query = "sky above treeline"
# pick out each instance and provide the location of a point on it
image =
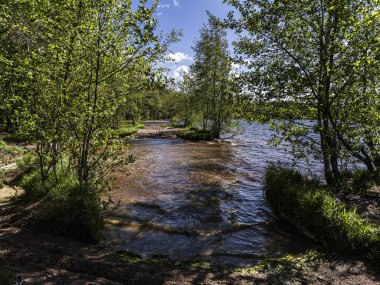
(188, 16)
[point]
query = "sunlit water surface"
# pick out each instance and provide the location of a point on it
(202, 200)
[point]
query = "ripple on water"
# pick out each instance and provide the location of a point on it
(201, 200)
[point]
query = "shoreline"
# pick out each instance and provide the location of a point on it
(43, 258)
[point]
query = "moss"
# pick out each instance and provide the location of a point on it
(131, 257)
(286, 267)
(195, 135)
(313, 209)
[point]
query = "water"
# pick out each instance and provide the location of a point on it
(202, 200)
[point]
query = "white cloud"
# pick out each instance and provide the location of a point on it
(179, 72)
(164, 6)
(159, 13)
(176, 3)
(179, 57)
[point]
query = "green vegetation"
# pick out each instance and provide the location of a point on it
(313, 209)
(73, 73)
(60, 209)
(209, 87)
(126, 130)
(359, 181)
(289, 268)
(9, 152)
(321, 56)
(196, 135)
(69, 70)
(27, 161)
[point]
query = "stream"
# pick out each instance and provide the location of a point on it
(202, 200)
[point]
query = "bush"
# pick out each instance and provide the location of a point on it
(362, 180)
(126, 131)
(312, 208)
(65, 210)
(195, 135)
(9, 149)
(7, 277)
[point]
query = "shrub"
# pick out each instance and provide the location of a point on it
(126, 131)
(362, 180)
(65, 210)
(195, 135)
(312, 208)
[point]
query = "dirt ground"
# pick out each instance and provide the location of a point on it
(41, 258)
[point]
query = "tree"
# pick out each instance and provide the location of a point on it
(210, 75)
(308, 53)
(68, 66)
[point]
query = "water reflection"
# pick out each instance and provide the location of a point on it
(201, 200)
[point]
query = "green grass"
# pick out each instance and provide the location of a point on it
(27, 161)
(6, 149)
(359, 181)
(195, 135)
(2, 177)
(313, 209)
(9, 153)
(126, 130)
(64, 209)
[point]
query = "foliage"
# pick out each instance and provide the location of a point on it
(359, 181)
(311, 207)
(196, 135)
(209, 88)
(9, 149)
(67, 68)
(318, 57)
(27, 161)
(9, 152)
(126, 131)
(63, 210)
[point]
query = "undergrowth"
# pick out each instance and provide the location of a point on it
(126, 130)
(195, 135)
(64, 209)
(313, 208)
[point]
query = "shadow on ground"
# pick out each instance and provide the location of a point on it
(45, 259)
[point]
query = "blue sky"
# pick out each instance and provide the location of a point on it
(188, 16)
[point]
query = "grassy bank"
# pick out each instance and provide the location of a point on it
(195, 135)
(60, 208)
(126, 130)
(315, 211)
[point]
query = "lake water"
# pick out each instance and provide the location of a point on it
(202, 200)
